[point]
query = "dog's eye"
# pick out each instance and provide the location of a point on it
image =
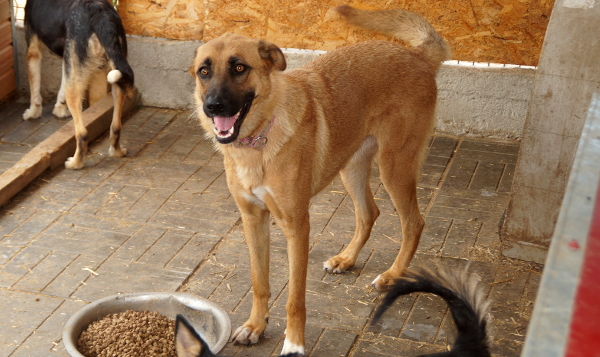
(203, 71)
(240, 68)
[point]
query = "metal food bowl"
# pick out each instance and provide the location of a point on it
(209, 320)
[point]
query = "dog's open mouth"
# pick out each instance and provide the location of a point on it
(227, 128)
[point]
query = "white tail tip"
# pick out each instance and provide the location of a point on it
(114, 76)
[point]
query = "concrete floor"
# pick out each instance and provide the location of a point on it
(162, 219)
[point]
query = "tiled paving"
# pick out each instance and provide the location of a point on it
(162, 219)
(18, 136)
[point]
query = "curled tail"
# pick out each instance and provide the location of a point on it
(464, 297)
(404, 25)
(107, 26)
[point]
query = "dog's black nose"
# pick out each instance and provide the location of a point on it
(214, 106)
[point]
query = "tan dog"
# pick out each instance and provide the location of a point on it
(286, 135)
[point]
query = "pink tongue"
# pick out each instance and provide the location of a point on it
(224, 123)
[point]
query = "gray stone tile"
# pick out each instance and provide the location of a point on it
(485, 156)
(442, 146)
(182, 148)
(118, 277)
(97, 199)
(45, 131)
(153, 174)
(147, 205)
(194, 252)
(29, 229)
(185, 124)
(461, 239)
(425, 319)
(81, 241)
(158, 146)
(105, 167)
(23, 130)
(163, 250)
(21, 264)
(510, 148)
(46, 340)
(74, 275)
(45, 271)
(98, 223)
(122, 201)
(159, 120)
(334, 342)
(487, 176)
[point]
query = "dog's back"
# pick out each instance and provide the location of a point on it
(66, 26)
(466, 301)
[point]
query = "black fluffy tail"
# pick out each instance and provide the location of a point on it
(107, 26)
(465, 299)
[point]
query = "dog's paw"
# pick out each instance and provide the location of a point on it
(245, 335)
(337, 265)
(74, 164)
(291, 349)
(60, 110)
(35, 111)
(112, 152)
(381, 282)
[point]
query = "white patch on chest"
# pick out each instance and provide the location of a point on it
(258, 196)
(261, 191)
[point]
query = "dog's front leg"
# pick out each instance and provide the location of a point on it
(60, 108)
(296, 230)
(34, 68)
(256, 229)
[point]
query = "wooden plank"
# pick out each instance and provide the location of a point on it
(7, 58)
(5, 33)
(4, 10)
(9, 83)
(5, 13)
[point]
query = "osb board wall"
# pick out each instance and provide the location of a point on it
(497, 31)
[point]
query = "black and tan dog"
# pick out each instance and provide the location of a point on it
(286, 135)
(89, 36)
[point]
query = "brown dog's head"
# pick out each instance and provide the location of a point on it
(232, 76)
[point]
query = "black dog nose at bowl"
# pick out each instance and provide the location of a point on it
(209, 320)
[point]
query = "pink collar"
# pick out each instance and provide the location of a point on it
(256, 142)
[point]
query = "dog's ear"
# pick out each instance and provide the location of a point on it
(187, 342)
(272, 54)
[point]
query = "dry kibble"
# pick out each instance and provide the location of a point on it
(129, 334)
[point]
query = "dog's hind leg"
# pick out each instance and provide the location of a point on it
(34, 68)
(60, 108)
(74, 91)
(399, 170)
(355, 177)
(115, 149)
